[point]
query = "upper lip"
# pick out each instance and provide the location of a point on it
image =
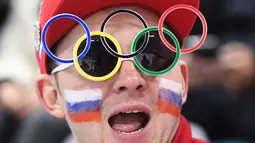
(131, 107)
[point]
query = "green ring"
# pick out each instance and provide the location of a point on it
(177, 57)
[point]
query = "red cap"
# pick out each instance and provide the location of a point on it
(181, 21)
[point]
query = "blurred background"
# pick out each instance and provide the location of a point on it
(221, 98)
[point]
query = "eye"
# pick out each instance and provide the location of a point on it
(156, 53)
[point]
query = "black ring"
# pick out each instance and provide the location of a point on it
(110, 50)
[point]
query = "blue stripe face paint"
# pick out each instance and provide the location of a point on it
(85, 106)
(170, 96)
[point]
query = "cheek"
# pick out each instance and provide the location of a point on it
(165, 127)
(174, 74)
(71, 79)
(167, 107)
(169, 123)
(83, 105)
(86, 132)
(84, 114)
(169, 97)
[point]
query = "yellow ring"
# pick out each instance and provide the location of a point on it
(75, 58)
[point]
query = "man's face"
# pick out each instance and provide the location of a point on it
(134, 107)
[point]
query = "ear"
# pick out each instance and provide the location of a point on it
(185, 80)
(48, 95)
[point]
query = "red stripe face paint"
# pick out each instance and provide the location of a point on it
(92, 116)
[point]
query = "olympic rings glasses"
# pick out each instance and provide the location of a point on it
(99, 65)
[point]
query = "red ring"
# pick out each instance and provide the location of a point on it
(191, 8)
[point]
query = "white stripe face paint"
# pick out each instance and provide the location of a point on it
(171, 85)
(74, 96)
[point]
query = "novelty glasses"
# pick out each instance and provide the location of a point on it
(99, 65)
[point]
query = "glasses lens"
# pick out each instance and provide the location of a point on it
(156, 56)
(98, 62)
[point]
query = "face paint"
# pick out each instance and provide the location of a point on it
(84, 105)
(170, 98)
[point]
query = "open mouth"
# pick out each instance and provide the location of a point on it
(129, 122)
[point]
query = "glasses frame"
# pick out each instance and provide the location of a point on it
(64, 66)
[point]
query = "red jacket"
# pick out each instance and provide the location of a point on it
(183, 134)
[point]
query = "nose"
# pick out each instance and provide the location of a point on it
(129, 79)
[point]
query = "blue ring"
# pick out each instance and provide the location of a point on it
(45, 47)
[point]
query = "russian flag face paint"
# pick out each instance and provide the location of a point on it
(170, 98)
(83, 105)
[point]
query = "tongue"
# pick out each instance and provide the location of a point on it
(127, 122)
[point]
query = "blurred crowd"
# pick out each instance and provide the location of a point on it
(221, 98)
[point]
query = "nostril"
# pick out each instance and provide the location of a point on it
(139, 87)
(122, 88)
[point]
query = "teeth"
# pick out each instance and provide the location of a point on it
(134, 111)
(128, 112)
(131, 132)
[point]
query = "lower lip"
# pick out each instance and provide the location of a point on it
(140, 137)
